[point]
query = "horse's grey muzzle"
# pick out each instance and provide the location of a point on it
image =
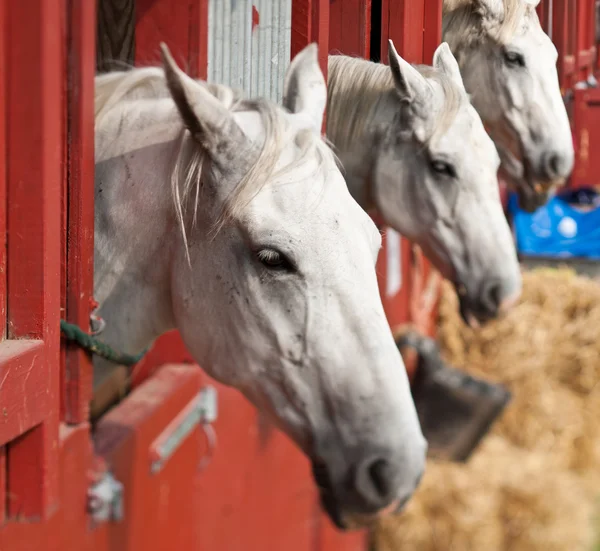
(372, 486)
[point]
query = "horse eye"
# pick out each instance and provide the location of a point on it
(442, 167)
(514, 59)
(274, 260)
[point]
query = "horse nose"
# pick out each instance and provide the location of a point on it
(376, 482)
(381, 483)
(498, 296)
(557, 165)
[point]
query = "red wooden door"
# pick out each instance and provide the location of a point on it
(31, 136)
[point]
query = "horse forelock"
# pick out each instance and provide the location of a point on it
(463, 18)
(356, 88)
(120, 90)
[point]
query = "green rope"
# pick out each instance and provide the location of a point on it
(91, 344)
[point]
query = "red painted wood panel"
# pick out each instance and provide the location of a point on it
(183, 26)
(161, 510)
(310, 23)
(69, 528)
(24, 400)
(34, 174)
(403, 22)
(350, 27)
(81, 45)
(432, 28)
(3, 197)
(3, 496)
(562, 36)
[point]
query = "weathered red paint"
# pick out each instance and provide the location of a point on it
(310, 23)
(403, 22)
(255, 17)
(161, 510)
(183, 26)
(350, 27)
(3, 205)
(3, 497)
(77, 385)
(30, 389)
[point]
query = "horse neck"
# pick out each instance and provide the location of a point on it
(135, 235)
(358, 96)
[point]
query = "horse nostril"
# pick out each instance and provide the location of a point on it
(375, 482)
(378, 471)
(491, 297)
(556, 165)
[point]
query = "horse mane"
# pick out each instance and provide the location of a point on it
(122, 89)
(357, 87)
(463, 17)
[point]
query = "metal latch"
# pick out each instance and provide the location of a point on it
(105, 499)
(202, 410)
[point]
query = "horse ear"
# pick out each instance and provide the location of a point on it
(304, 88)
(445, 62)
(210, 123)
(410, 84)
(532, 3)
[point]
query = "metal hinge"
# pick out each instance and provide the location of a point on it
(202, 410)
(105, 499)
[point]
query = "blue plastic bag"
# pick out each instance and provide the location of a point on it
(567, 226)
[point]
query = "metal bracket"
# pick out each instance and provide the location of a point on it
(201, 410)
(105, 499)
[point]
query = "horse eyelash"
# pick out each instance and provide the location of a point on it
(268, 255)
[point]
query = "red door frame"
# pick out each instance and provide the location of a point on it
(29, 356)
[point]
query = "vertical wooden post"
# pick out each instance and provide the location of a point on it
(310, 23)
(77, 387)
(30, 390)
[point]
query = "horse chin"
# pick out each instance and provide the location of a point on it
(356, 521)
(347, 521)
(532, 192)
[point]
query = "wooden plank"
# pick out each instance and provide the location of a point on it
(350, 27)
(403, 21)
(26, 480)
(3, 197)
(34, 179)
(310, 23)
(183, 26)
(116, 34)
(34, 168)
(23, 383)
(3, 496)
(77, 387)
(162, 509)
(560, 37)
(432, 28)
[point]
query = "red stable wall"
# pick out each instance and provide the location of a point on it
(572, 26)
(257, 492)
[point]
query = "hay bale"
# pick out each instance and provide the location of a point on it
(504, 499)
(534, 482)
(545, 352)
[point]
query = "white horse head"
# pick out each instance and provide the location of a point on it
(229, 220)
(414, 148)
(508, 65)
